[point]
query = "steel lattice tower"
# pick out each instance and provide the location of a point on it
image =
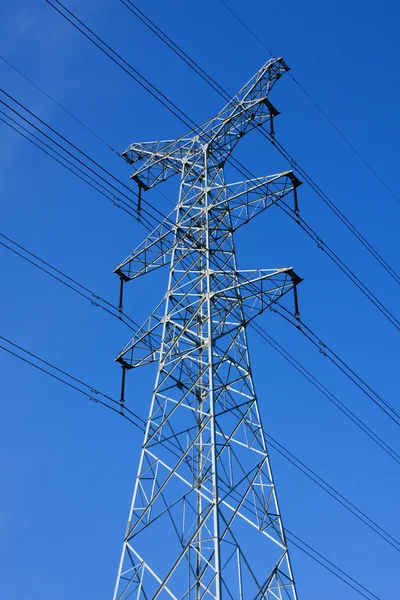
(205, 521)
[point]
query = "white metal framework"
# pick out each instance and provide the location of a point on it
(204, 520)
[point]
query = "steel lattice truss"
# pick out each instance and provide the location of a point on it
(205, 521)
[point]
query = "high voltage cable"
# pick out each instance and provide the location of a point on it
(141, 426)
(324, 349)
(319, 108)
(359, 514)
(113, 409)
(174, 47)
(73, 146)
(371, 594)
(70, 283)
(346, 370)
(353, 583)
(128, 205)
(331, 254)
(318, 557)
(325, 392)
(81, 162)
(92, 394)
(70, 114)
(98, 301)
(132, 72)
(77, 149)
(226, 96)
(60, 105)
(86, 156)
(189, 122)
(163, 215)
(362, 381)
(377, 399)
(113, 199)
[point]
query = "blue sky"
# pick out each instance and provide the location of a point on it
(68, 466)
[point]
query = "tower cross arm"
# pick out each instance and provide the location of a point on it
(158, 160)
(247, 199)
(154, 252)
(248, 109)
(253, 292)
(144, 346)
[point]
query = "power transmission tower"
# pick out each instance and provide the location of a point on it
(205, 521)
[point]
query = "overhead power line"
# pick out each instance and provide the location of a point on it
(70, 114)
(317, 106)
(110, 308)
(348, 371)
(139, 14)
(178, 50)
(357, 380)
(77, 385)
(110, 403)
(94, 393)
(67, 165)
(342, 266)
(331, 491)
(84, 167)
(325, 392)
(106, 49)
(137, 425)
(89, 157)
(370, 393)
(127, 192)
(66, 280)
(378, 400)
(331, 567)
(375, 397)
(42, 91)
(323, 561)
(64, 139)
(122, 63)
